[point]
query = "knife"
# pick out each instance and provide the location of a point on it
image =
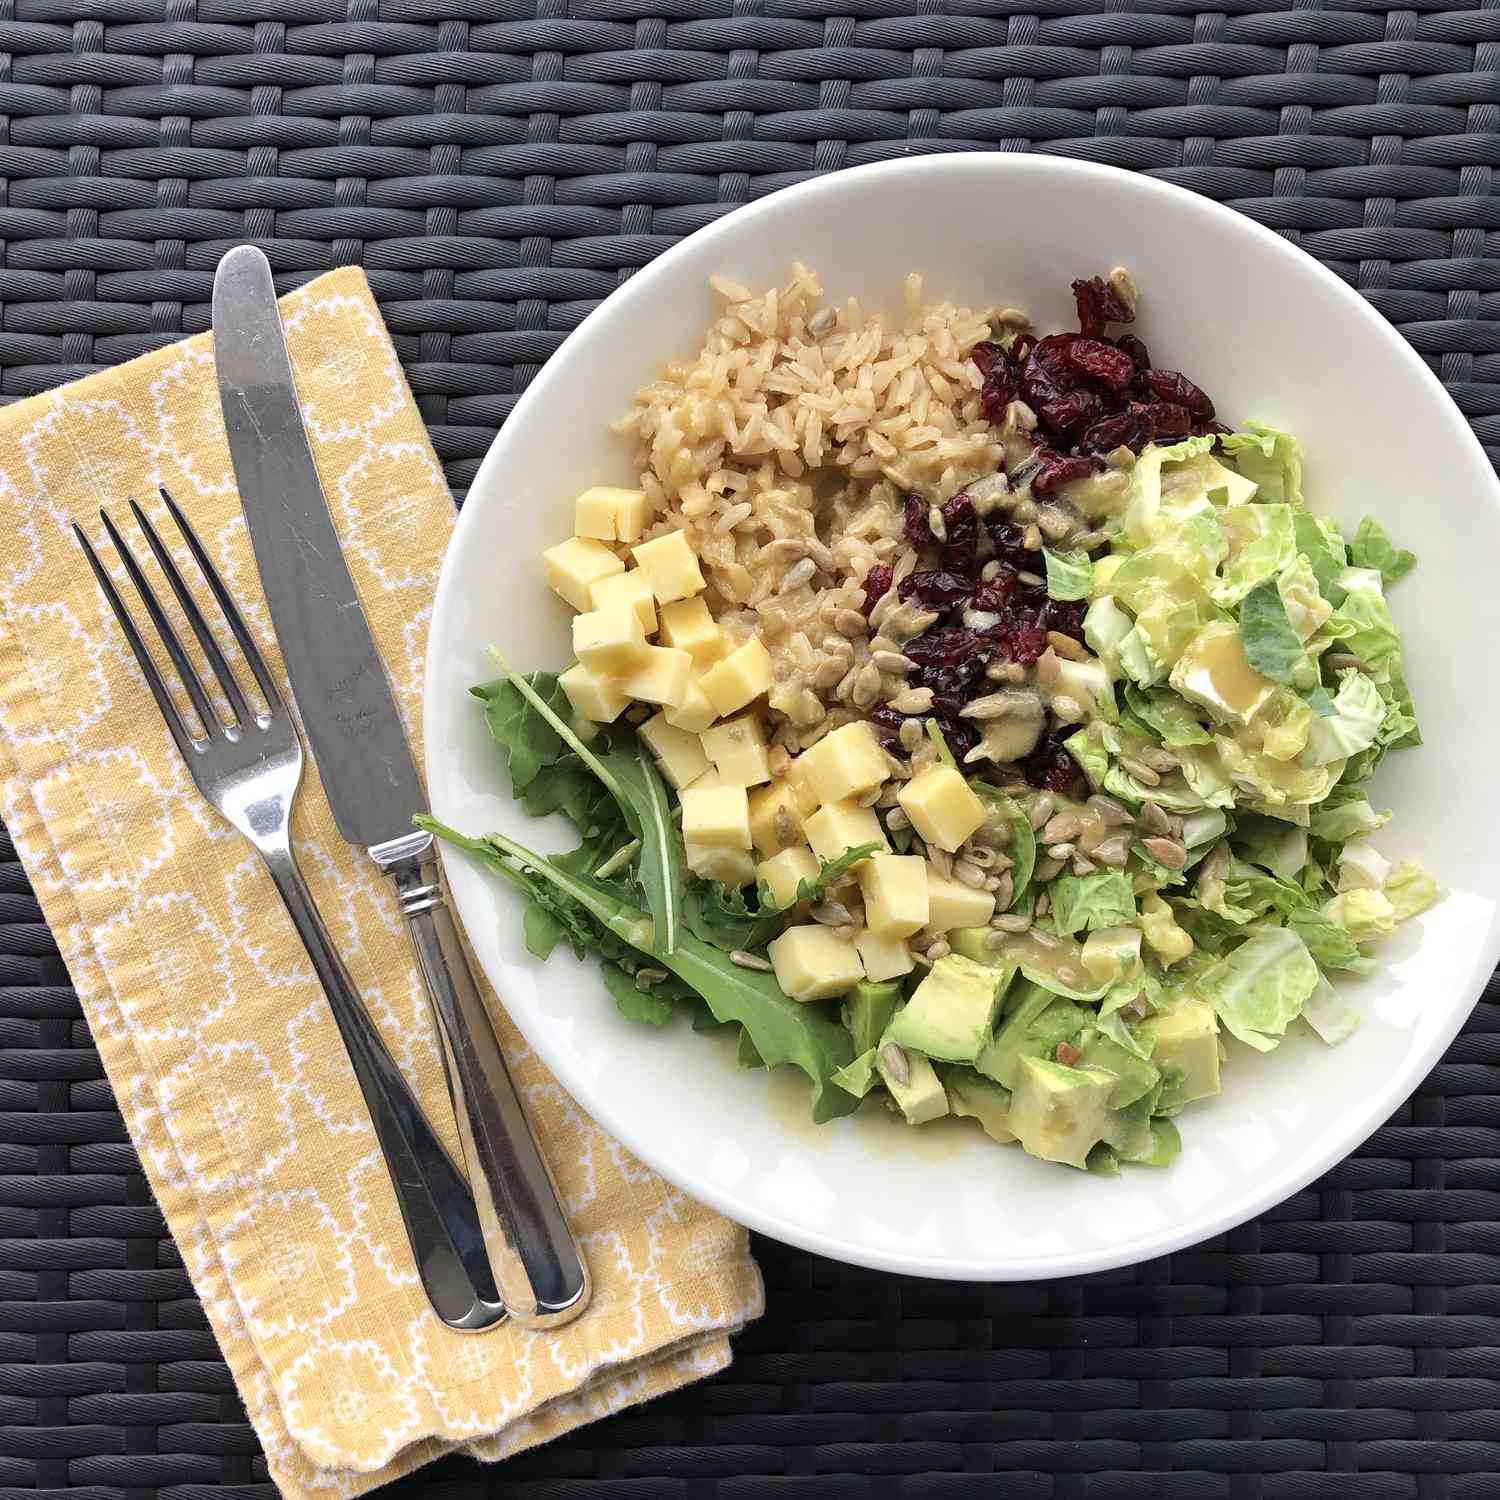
(367, 771)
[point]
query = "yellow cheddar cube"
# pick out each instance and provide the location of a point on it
(895, 891)
(797, 776)
(573, 567)
(942, 806)
(627, 588)
(688, 625)
(718, 816)
(847, 763)
(728, 866)
(610, 640)
(662, 678)
(883, 957)
(612, 515)
(695, 713)
(812, 964)
(677, 752)
(738, 748)
(783, 873)
(739, 679)
(709, 778)
(775, 816)
(593, 694)
(671, 567)
(843, 825)
(951, 903)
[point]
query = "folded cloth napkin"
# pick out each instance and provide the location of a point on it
(218, 1041)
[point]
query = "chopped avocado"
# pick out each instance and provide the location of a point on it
(952, 1011)
(1058, 1113)
(979, 1099)
(867, 1012)
(1165, 1144)
(921, 1097)
(1033, 1029)
(1128, 1130)
(1110, 952)
(857, 1077)
(1134, 1077)
(1185, 1038)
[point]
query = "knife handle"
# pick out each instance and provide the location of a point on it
(444, 1233)
(539, 1269)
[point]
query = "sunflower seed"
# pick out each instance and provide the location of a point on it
(936, 524)
(1113, 851)
(1140, 770)
(939, 949)
(1060, 852)
(912, 701)
(896, 819)
(1010, 922)
(1109, 812)
(798, 574)
(894, 1059)
(1082, 866)
(866, 687)
(990, 571)
(1123, 285)
(1062, 828)
(995, 941)
(1041, 810)
(1066, 646)
(893, 662)
(750, 961)
(1067, 710)
(1032, 580)
(1341, 661)
(849, 622)
(1160, 760)
(645, 978)
(1048, 869)
(827, 673)
(831, 913)
(1153, 819)
(969, 873)
(1031, 538)
(941, 861)
(1045, 940)
(1166, 852)
(991, 706)
(846, 932)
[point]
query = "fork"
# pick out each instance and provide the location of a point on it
(249, 770)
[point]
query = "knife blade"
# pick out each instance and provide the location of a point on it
(371, 781)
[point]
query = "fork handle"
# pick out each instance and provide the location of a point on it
(538, 1267)
(436, 1208)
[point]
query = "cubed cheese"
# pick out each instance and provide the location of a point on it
(843, 825)
(719, 816)
(775, 816)
(695, 713)
(783, 873)
(883, 957)
(812, 964)
(627, 588)
(942, 806)
(611, 514)
(709, 778)
(573, 567)
(738, 748)
(739, 679)
(688, 625)
(895, 891)
(610, 640)
(671, 567)
(797, 775)
(730, 867)
(678, 753)
(847, 763)
(662, 678)
(593, 694)
(951, 903)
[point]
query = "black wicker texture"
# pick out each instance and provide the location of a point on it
(497, 168)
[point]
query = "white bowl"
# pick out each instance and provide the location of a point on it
(1272, 336)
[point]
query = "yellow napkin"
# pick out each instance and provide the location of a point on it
(219, 1044)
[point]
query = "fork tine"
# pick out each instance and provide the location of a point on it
(226, 604)
(179, 730)
(216, 658)
(207, 715)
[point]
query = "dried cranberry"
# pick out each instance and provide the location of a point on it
(936, 589)
(1058, 470)
(877, 582)
(1021, 347)
(1167, 419)
(1065, 616)
(1048, 361)
(995, 594)
(1100, 362)
(1218, 429)
(1171, 386)
(1050, 766)
(942, 648)
(1009, 546)
(918, 532)
(961, 736)
(1137, 350)
(998, 391)
(1025, 639)
(962, 525)
(1098, 303)
(988, 356)
(1127, 429)
(1071, 413)
(887, 718)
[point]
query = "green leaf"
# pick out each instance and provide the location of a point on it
(1022, 846)
(1259, 988)
(1410, 889)
(1373, 636)
(1372, 547)
(1171, 718)
(1271, 645)
(1270, 458)
(1320, 700)
(1103, 899)
(1069, 574)
(635, 1003)
(935, 734)
(1364, 914)
(1261, 542)
(1324, 554)
(1358, 711)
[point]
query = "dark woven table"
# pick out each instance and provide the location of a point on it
(497, 168)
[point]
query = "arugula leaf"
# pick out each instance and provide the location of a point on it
(1070, 575)
(780, 1029)
(635, 1003)
(1271, 645)
(1372, 547)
